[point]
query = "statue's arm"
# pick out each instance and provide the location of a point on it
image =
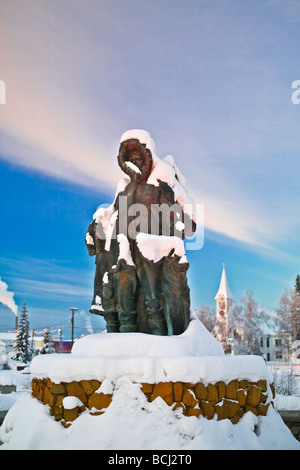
(90, 239)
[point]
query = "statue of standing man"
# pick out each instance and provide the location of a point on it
(141, 269)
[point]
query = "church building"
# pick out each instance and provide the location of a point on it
(224, 300)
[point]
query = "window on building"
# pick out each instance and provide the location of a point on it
(278, 355)
(268, 342)
(278, 342)
(261, 342)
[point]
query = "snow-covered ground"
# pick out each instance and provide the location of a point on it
(20, 380)
(132, 419)
(131, 422)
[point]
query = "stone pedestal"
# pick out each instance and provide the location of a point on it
(173, 369)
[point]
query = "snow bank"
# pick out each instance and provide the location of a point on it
(131, 422)
(7, 400)
(287, 403)
(195, 341)
(15, 377)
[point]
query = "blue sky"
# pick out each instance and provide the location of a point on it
(210, 80)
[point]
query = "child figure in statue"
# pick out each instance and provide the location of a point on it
(140, 281)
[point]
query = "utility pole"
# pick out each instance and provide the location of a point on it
(32, 337)
(73, 309)
(60, 335)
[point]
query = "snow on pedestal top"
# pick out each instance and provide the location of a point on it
(195, 341)
(195, 356)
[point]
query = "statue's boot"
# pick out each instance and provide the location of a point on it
(125, 291)
(112, 322)
(109, 305)
(156, 321)
(150, 277)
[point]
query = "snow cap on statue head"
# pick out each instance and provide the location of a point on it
(136, 155)
(144, 137)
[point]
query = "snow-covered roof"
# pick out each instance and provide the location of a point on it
(268, 328)
(224, 289)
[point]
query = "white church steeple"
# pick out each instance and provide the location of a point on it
(223, 299)
(224, 289)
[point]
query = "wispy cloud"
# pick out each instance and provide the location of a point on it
(220, 103)
(50, 279)
(49, 288)
(53, 290)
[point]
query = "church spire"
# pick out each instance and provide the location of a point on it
(224, 289)
(223, 299)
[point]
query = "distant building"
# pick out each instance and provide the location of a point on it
(8, 339)
(279, 347)
(62, 346)
(2, 349)
(274, 346)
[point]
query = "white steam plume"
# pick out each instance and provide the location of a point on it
(88, 323)
(7, 297)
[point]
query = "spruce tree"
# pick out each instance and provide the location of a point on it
(47, 347)
(22, 349)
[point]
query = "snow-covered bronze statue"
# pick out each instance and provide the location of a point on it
(140, 281)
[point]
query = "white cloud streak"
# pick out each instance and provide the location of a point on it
(53, 280)
(220, 103)
(51, 290)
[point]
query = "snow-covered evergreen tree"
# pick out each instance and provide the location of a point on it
(22, 349)
(47, 347)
